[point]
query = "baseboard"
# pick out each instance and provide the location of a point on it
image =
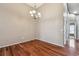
(17, 43)
(30, 41)
(51, 43)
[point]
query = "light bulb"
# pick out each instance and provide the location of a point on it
(34, 11)
(30, 12)
(39, 15)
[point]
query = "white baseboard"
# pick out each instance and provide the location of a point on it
(27, 41)
(52, 43)
(14, 43)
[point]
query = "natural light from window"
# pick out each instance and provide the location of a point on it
(72, 43)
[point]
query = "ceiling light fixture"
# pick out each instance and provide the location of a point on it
(34, 13)
(75, 12)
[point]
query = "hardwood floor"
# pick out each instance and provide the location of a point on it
(37, 48)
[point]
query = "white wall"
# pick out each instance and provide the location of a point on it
(16, 25)
(77, 22)
(65, 22)
(51, 23)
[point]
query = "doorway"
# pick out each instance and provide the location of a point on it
(70, 26)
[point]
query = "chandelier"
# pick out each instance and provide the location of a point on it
(34, 13)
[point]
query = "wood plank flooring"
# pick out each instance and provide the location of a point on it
(38, 48)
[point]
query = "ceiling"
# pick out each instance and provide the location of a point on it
(37, 4)
(73, 8)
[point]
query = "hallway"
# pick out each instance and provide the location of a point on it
(72, 47)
